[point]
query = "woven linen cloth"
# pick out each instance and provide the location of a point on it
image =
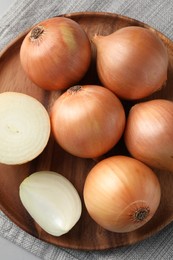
(19, 17)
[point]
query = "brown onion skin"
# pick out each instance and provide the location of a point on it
(59, 57)
(121, 194)
(149, 133)
(132, 62)
(87, 121)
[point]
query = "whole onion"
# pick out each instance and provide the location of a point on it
(132, 62)
(87, 121)
(121, 194)
(56, 53)
(149, 133)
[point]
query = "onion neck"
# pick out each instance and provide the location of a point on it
(36, 32)
(96, 39)
(74, 89)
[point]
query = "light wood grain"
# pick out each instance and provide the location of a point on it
(86, 234)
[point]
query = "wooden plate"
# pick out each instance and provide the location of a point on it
(86, 234)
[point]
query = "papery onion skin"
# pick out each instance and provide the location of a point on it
(121, 194)
(132, 62)
(52, 201)
(56, 53)
(87, 121)
(149, 133)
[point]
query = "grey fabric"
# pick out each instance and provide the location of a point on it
(20, 16)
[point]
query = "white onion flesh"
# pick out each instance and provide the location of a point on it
(24, 128)
(52, 201)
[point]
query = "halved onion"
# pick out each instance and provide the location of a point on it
(24, 128)
(52, 201)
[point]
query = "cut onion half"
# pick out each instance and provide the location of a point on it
(52, 201)
(24, 128)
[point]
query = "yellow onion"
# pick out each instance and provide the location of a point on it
(149, 133)
(121, 194)
(56, 53)
(87, 121)
(132, 62)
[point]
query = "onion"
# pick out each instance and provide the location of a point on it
(149, 133)
(52, 201)
(132, 62)
(87, 121)
(56, 53)
(121, 194)
(25, 128)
